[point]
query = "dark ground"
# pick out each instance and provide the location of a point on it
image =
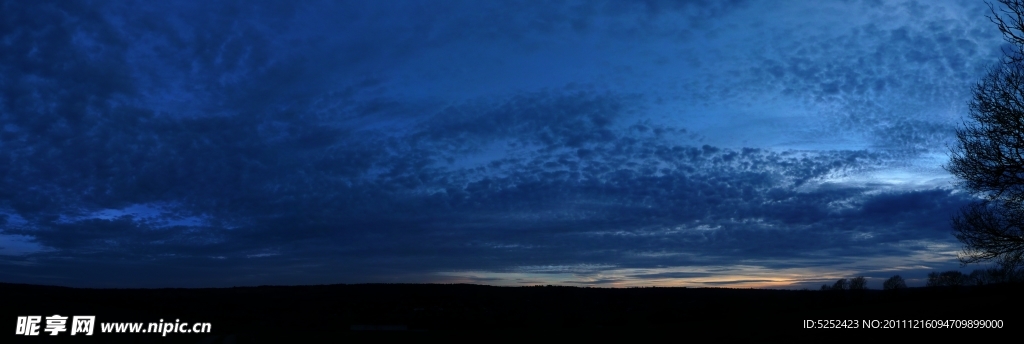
(407, 312)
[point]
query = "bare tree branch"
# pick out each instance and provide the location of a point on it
(988, 159)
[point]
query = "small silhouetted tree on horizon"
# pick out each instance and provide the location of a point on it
(933, 280)
(979, 277)
(841, 284)
(858, 283)
(894, 283)
(952, 278)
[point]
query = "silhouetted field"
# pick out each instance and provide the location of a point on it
(354, 313)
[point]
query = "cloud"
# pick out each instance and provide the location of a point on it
(634, 192)
(737, 282)
(355, 143)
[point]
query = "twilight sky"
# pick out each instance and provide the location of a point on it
(591, 143)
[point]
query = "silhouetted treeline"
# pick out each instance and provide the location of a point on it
(343, 312)
(954, 278)
(856, 283)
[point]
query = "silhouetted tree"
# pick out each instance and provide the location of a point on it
(841, 284)
(997, 275)
(950, 278)
(1016, 275)
(1011, 269)
(954, 278)
(933, 280)
(894, 283)
(858, 283)
(978, 277)
(988, 158)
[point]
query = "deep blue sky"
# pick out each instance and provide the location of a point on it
(590, 143)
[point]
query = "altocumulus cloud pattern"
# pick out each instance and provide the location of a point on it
(618, 143)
